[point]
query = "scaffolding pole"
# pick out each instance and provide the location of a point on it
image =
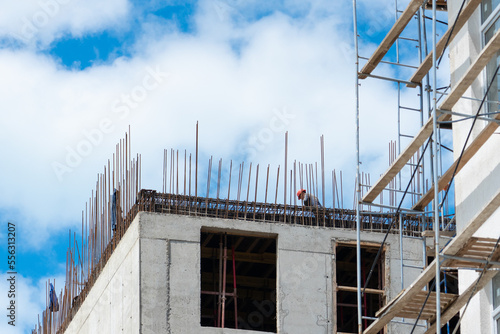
(358, 181)
(435, 170)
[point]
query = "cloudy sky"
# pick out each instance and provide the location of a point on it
(75, 74)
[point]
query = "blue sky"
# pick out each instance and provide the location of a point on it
(69, 68)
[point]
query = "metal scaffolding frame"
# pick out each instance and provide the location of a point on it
(415, 301)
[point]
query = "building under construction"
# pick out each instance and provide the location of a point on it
(418, 253)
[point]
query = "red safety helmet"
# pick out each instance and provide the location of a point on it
(300, 192)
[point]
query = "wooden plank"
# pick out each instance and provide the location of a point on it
(430, 233)
(426, 64)
(469, 152)
(402, 159)
(429, 273)
(355, 289)
(482, 60)
(266, 258)
(440, 5)
(412, 309)
(390, 38)
(486, 239)
(460, 302)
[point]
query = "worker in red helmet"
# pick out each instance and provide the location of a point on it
(308, 199)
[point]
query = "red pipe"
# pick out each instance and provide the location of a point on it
(234, 291)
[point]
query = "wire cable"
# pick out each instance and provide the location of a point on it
(446, 193)
(392, 222)
(469, 134)
(422, 308)
(451, 32)
(473, 292)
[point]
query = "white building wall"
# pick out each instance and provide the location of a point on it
(480, 178)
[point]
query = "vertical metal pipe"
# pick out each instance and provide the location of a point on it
(422, 37)
(342, 193)
(229, 187)
(401, 249)
(189, 174)
(208, 183)
(164, 163)
(224, 282)
(177, 175)
(256, 184)
(220, 282)
(323, 169)
(185, 170)
(334, 187)
(218, 188)
(277, 186)
(235, 294)
(196, 170)
(267, 184)
(435, 169)
(317, 185)
(248, 189)
(358, 189)
(229, 183)
(294, 181)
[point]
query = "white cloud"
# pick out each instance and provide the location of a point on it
(30, 300)
(39, 22)
(233, 79)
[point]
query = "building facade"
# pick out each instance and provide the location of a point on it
(479, 180)
(165, 276)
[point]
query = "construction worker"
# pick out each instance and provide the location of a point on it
(309, 200)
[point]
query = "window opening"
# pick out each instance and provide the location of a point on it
(374, 297)
(238, 281)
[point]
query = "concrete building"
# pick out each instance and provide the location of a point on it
(183, 264)
(165, 276)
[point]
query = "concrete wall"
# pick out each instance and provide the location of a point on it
(112, 305)
(480, 178)
(305, 261)
(151, 283)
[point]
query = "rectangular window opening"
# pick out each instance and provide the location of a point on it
(238, 281)
(346, 299)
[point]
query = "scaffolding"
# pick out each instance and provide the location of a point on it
(418, 301)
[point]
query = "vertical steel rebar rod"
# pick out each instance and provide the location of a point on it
(323, 176)
(256, 184)
(189, 174)
(285, 173)
(267, 184)
(208, 183)
(229, 187)
(248, 189)
(185, 169)
(196, 171)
